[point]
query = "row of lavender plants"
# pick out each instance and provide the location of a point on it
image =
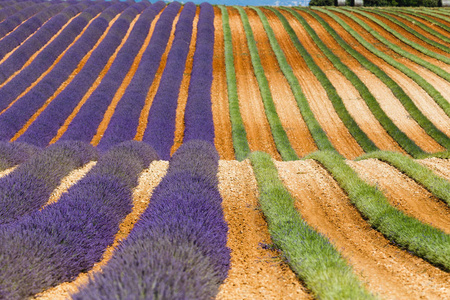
(15, 117)
(124, 123)
(177, 249)
(29, 186)
(46, 126)
(28, 27)
(84, 125)
(198, 119)
(54, 245)
(12, 154)
(16, 19)
(160, 129)
(11, 7)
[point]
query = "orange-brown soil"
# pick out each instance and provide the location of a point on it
(388, 102)
(255, 273)
(440, 166)
(351, 98)
(318, 100)
(283, 98)
(259, 134)
(426, 23)
(388, 271)
(404, 193)
(219, 94)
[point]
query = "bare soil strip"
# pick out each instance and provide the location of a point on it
(388, 271)
(351, 98)
(316, 95)
(440, 166)
(427, 23)
(285, 103)
(388, 102)
(148, 180)
(7, 171)
(219, 94)
(184, 89)
(255, 273)
(259, 134)
(404, 193)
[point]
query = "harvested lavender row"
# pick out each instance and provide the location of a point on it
(12, 154)
(18, 114)
(84, 125)
(15, 20)
(48, 55)
(46, 126)
(177, 250)
(29, 186)
(54, 245)
(28, 27)
(198, 118)
(125, 121)
(160, 130)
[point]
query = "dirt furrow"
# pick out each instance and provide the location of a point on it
(388, 271)
(259, 134)
(440, 166)
(283, 98)
(427, 23)
(404, 193)
(219, 94)
(256, 272)
(351, 98)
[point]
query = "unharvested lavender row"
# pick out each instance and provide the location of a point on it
(198, 119)
(177, 250)
(12, 154)
(46, 126)
(11, 7)
(29, 186)
(15, 117)
(65, 238)
(11, 22)
(125, 121)
(160, 130)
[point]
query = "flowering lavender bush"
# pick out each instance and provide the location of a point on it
(12, 154)
(14, 20)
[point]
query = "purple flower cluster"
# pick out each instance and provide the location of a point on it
(29, 186)
(17, 115)
(12, 154)
(160, 130)
(54, 245)
(84, 125)
(124, 122)
(177, 250)
(16, 19)
(11, 7)
(198, 119)
(46, 126)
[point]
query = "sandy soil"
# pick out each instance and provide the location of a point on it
(251, 106)
(283, 98)
(440, 166)
(7, 171)
(351, 98)
(388, 271)
(388, 102)
(219, 94)
(427, 23)
(148, 180)
(404, 193)
(256, 273)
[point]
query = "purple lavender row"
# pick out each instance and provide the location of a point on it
(198, 118)
(48, 55)
(12, 154)
(15, 20)
(29, 186)
(65, 238)
(46, 126)
(125, 121)
(12, 8)
(177, 249)
(28, 27)
(84, 125)
(160, 130)
(13, 119)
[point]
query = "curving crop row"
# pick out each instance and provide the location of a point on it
(399, 136)
(125, 121)
(423, 14)
(177, 249)
(198, 118)
(65, 238)
(12, 7)
(420, 239)
(12, 154)
(239, 135)
(29, 186)
(312, 257)
(160, 130)
(10, 23)
(46, 126)
(15, 117)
